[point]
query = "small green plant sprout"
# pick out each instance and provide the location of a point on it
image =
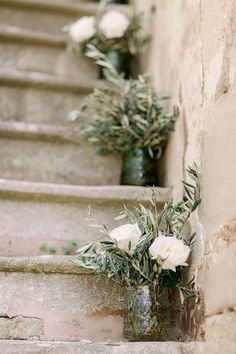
(152, 248)
(69, 249)
(47, 249)
(127, 114)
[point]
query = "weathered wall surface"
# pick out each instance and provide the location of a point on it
(193, 58)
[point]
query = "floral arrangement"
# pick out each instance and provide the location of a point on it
(152, 249)
(108, 30)
(127, 113)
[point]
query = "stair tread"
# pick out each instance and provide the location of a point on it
(33, 131)
(53, 347)
(17, 34)
(41, 264)
(72, 192)
(41, 80)
(64, 6)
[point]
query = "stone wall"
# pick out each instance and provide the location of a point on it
(193, 58)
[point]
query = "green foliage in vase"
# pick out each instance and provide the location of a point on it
(127, 113)
(155, 249)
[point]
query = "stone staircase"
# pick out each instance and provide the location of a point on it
(48, 179)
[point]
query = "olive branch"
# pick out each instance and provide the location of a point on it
(134, 269)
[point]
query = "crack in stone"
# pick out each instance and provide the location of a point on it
(221, 311)
(202, 65)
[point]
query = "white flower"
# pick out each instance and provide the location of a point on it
(125, 234)
(83, 29)
(171, 250)
(114, 24)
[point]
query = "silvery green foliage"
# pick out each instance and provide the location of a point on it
(137, 268)
(127, 113)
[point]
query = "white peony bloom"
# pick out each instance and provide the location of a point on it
(83, 29)
(171, 250)
(114, 24)
(125, 234)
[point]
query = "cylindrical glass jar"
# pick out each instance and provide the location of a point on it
(138, 168)
(117, 1)
(146, 317)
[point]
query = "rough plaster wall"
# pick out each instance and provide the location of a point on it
(193, 58)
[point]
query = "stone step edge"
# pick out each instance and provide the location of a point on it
(19, 35)
(36, 80)
(11, 189)
(40, 132)
(61, 6)
(47, 264)
(53, 347)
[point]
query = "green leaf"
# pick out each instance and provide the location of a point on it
(72, 243)
(196, 204)
(188, 184)
(188, 193)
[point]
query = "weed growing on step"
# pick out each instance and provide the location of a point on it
(69, 249)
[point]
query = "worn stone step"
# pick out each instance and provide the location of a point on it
(39, 98)
(53, 154)
(36, 213)
(85, 347)
(47, 15)
(48, 298)
(41, 52)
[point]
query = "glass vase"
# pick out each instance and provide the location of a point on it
(147, 317)
(117, 1)
(138, 168)
(121, 62)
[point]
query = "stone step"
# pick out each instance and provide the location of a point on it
(39, 98)
(85, 347)
(54, 154)
(36, 213)
(41, 52)
(47, 15)
(48, 298)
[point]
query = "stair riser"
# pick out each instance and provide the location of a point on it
(26, 224)
(65, 307)
(46, 59)
(33, 19)
(32, 105)
(57, 162)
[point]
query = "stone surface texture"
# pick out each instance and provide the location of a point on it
(55, 161)
(20, 327)
(83, 347)
(49, 59)
(54, 214)
(56, 15)
(39, 98)
(192, 58)
(70, 307)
